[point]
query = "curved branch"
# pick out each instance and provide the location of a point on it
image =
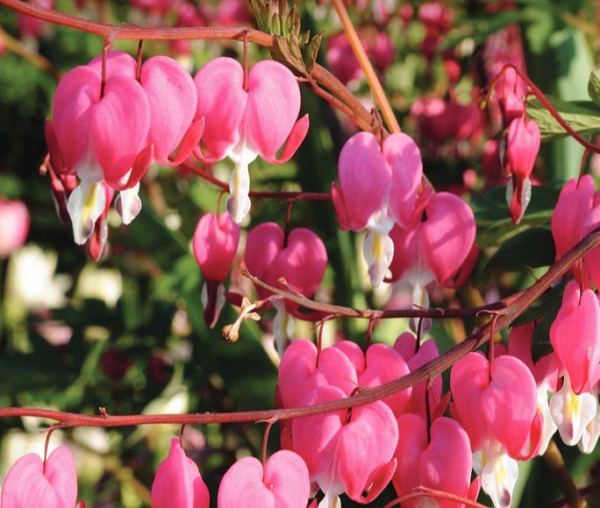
(364, 396)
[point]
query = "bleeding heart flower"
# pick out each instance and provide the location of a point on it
(215, 244)
(435, 248)
(245, 119)
(178, 483)
(31, 483)
(378, 188)
(522, 147)
(301, 259)
(102, 137)
(442, 462)
(349, 452)
(283, 483)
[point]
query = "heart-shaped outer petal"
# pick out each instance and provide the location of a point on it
(447, 235)
(508, 404)
(215, 244)
(299, 372)
(263, 245)
(365, 178)
(408, 453)
(272, 109)
(171, 94)
(575, 336)
(354, 353)
(178, 483)
(285, 483)
(27, 485)
(303, 261)
(383, 365)
(446, 463)
(120, 123)
(316, 438)
(222, 103)
(404, 157)
(365, 451)
(118, 63)
(522, 146)
(574, 203)
(469, 377)
(76, 94)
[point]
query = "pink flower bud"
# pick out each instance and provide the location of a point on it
(178, 483)
(14, 226)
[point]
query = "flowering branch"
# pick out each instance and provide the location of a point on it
(365, 396)
(345, 100)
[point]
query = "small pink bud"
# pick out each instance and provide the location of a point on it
(14, 226)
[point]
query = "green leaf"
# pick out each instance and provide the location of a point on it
(582, 116)
(532, 248)
(547, 305)
(594, 86)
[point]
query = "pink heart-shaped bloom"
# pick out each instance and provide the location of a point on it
(14, 226)
(575, 336)
(29, 483)
(283, 483)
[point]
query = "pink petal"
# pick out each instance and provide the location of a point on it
(385, 364)
(427, 352)
(215, 245)
(172, 96)
(575, 336)
(120, 123)
(294, 141)
(446, 463)
(272, 109)
(366, 444)
(365, 178)
(243, 485)
(178, 483)
(72, 109)
(263, 245)
(574, 203)
(222, 103)
(591, 261)
(469, 378)
(404, 157)
(303, 261)
(354, 353)
(118, 63)
(413, 441)
(407, 251)
(287, 473)
(509, 403)
(447, 235)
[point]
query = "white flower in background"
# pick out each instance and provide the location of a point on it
(32, 283)
(100, 283)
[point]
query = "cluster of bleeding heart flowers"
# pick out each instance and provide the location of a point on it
(113, 117)
(500, 414)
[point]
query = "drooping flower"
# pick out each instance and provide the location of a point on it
(378, 188)
(31, 483)
(349, 452)
(442, 463)
(178, 483)
(215, 244)
(300, 258)
(246, 119)
(522, 147)
(282, 483)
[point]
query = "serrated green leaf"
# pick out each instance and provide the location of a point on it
(532, 248)
(582, 116)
